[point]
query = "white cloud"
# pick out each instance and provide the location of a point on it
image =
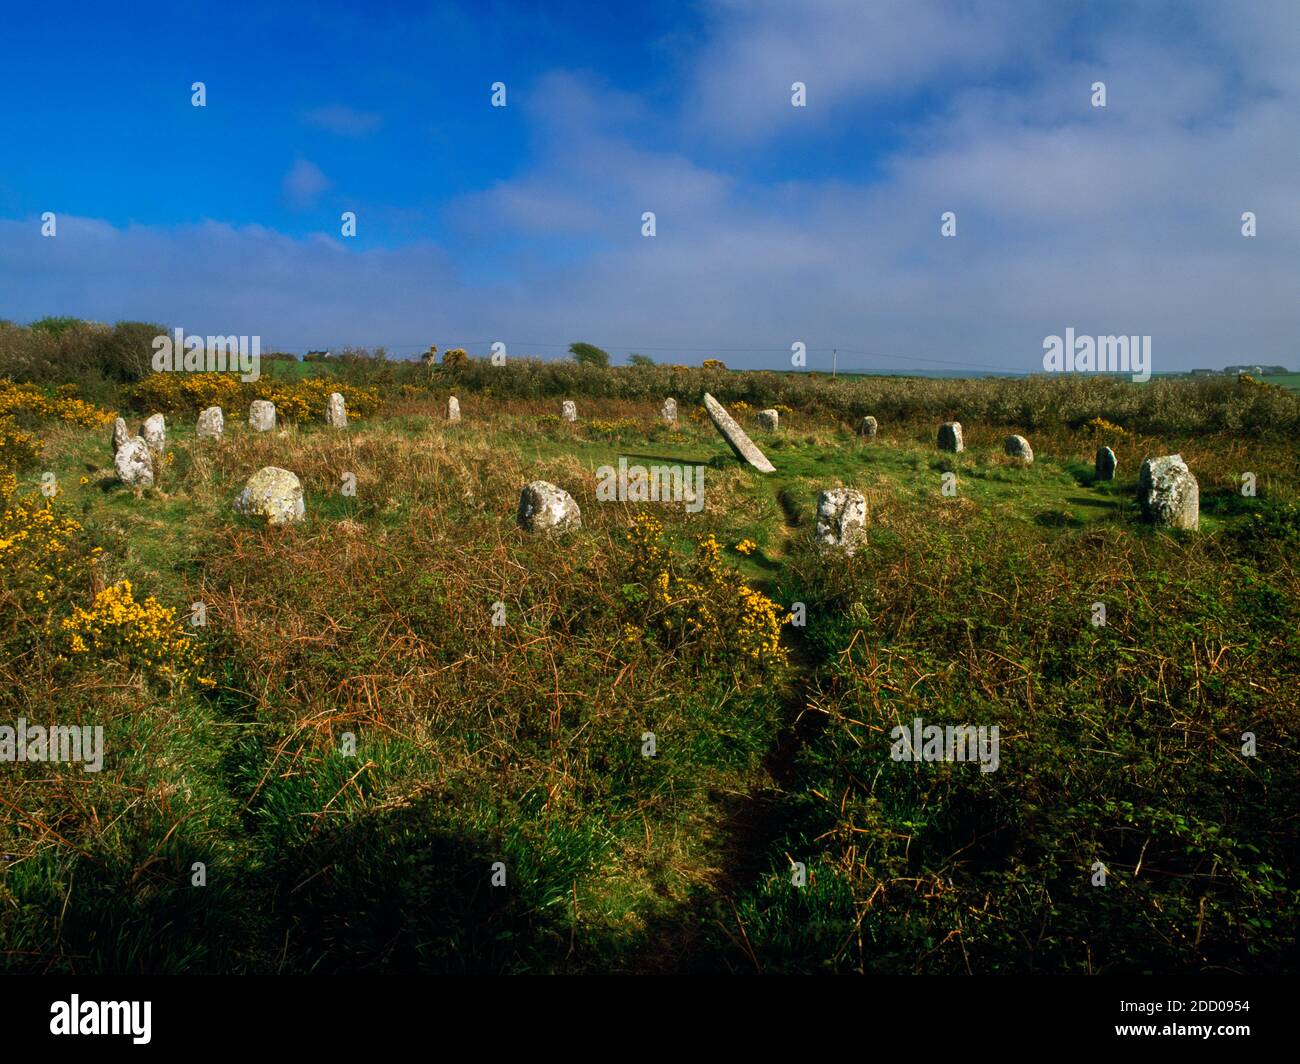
(303, 184)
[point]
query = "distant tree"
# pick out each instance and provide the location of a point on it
(55, 326)
(454, 358)
(588, 354)
(430, 356)
(713, 363)
(640, 360)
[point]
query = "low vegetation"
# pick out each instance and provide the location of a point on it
(383, 703)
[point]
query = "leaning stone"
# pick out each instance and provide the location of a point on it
(212, 424)
(336, 411)
(841, 514)
(768, 420)
(543, 508)
(1018, 447)
(950, 437)
(155, 433)
(735, 436)
(669, 410)
(261, 415)
(569, 410)
(120, 434)
(1106, 464)
(134, 463)
(453, 408)
(867, 427)
(274, 494)
(1168, 493)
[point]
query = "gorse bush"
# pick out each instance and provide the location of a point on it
(698, 604)
(144, 636)
(298, 400)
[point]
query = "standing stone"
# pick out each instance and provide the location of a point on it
(272, 493)
(134, 463)
(868, 427)
(669, 411)
(1018, 447)
(569, 410)
(1168, 493)
(120, 434)
(155, 433)
(841, 514)
(950, 437)
(543, 508)
(453, 408)
(768, 420)
(735, 436)
(261, 415)
(212, 424)
(1106, 464)
(336, 411)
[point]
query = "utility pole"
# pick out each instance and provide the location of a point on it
(835, 359)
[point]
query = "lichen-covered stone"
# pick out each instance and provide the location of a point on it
(336, 411)
(867, 427)
(769, 420)
(1106, 465)
(841, 515)
(1018, 447)
(735, 436)
(120, 434)
(211, 424)
(261, 415)
(669, 410)
(950, 437)
(1168, 493)
(569, 410)
(134, 463)
(155, 433)
(545, 508)
(453, 408)
(274, 494)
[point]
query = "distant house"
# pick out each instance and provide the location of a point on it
(1256, 371)
(316, 356)
(1205, 373)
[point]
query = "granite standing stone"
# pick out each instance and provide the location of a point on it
(950, 437)
(120, 434)
(669, 410)
(1018, 447)
(155, 433)
(545, 508)
(261, 415)
(569, 410)
(134, 463)
(769, 420)
(336, 411)
(841, 515)
(1106, 464)
(1168, 493)
(453, 408)
(868, 427)
(274, 494)
(212, 424)
(735, 436)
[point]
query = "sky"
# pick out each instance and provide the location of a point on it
(774, 224)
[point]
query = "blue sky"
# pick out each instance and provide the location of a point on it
(775, 224)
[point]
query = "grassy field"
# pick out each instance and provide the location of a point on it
(771, 830)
